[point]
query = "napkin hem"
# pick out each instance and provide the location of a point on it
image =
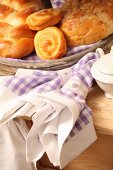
(77, 144)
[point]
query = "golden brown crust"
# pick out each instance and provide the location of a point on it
(87, 21)
(44, 18)
(17, 42)
(16, 39)
(19, 5)
(50, 43)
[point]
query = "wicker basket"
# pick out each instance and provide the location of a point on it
(9, 67)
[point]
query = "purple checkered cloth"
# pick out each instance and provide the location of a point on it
(57, 3)
(45, 81)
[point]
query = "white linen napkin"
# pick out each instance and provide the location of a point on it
(55, 100)
(13, 146)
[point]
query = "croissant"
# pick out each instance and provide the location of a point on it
(44, 18)
(16, 39)
(87, 21)
(50, 43)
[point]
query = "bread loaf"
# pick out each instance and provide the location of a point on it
(16, 39)
(87, 21)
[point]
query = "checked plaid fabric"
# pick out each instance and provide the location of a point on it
(57, 3)
(45, 81)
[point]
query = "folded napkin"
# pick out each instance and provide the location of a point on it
(55, 100)
(13, 146)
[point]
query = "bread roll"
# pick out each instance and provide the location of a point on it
(87, 21)
(50, 43)
(16, 39)
(44, 18)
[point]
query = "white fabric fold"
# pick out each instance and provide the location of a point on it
(13, 146)
(52, 124)
(54, 116)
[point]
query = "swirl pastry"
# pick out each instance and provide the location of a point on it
(16, 39)
(87, 21)
(50, 43)
(44, 18)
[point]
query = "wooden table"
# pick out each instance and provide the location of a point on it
(102, 111)
(99, 156)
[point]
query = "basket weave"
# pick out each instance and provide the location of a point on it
(8, 67)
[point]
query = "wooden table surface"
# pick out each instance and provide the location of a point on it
(102, 108)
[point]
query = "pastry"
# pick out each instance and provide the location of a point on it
(15, 42)
(50, 43)
(16, 39)
(87, 21)
(44, 18)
